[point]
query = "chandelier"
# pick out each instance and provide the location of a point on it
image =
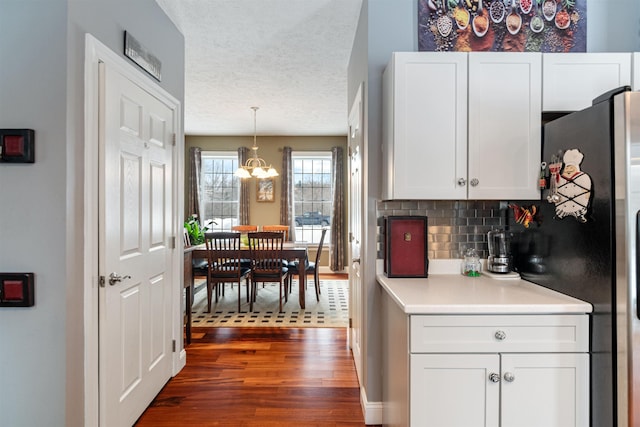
(255, 166)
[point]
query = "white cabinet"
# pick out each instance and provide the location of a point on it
(507, 390)
(425, 126)
(570, 82)
(484, 370)
(504, 125)
(460, 125)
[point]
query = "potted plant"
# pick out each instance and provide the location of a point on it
(195, 230)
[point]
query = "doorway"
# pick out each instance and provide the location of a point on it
(132, 277)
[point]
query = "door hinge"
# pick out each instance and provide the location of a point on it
(173, 345)
(350, 151)
(173, 139)
(349, 322)
(101, 281)
(172, 242)
(351, 237)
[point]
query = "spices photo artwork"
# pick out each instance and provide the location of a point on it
(502, 25)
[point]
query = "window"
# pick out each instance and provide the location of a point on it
(312, 195)
(220, 190)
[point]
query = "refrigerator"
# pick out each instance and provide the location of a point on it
(584, 241)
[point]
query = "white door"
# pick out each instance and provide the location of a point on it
(135, 214)
(355, 229)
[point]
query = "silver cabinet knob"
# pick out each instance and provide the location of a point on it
(474, 182)
(494, 378)
(509, 377)
(462, 182)
(115, 278)
(500, 335)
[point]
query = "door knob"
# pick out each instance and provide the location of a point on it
(115, 278)
(355, 260)
(509, 377)
(500, 335)
(474, 182)
(462, 182)
(494, 378)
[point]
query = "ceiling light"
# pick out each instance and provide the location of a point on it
(255, 166)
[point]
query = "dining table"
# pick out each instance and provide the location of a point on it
(290, 252)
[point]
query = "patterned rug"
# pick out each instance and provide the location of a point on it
(331, 312)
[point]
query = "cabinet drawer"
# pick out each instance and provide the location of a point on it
(527, 333)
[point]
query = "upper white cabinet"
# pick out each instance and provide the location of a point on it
(504, 125)
(570, 82)
(460, 125)
(425, 126)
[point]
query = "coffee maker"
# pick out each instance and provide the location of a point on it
(499, 260)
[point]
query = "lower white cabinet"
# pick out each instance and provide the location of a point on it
(508, 390)
(485, 370)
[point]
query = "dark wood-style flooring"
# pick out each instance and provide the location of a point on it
(301, 377)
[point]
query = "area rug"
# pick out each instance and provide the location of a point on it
(332, 311)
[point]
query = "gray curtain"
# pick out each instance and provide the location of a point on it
(336, 247)
(286, 196)
(193, 196)
(243, 214)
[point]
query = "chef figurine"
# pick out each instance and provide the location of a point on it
(574, 188)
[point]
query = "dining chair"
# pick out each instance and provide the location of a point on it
(266, 263)
(311, 267)
(223, 255)
(279, 228)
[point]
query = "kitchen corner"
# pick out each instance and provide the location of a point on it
(504, 350)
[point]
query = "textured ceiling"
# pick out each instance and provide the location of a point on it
(287, 57)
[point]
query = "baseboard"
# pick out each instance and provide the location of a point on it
(372, 411)
(324, 269)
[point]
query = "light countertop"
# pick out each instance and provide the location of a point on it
(450, 293)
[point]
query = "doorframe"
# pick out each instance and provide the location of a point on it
(95, 53)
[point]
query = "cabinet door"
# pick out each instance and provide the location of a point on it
(504, 125)
(425, 110)
(454, 390)
(549, 389)
(571, 81)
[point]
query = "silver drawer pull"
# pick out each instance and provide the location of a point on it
(500, 335)
(494, 378)
(509, 377)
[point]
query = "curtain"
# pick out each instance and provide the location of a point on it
(337, 247)
(243, 214)
(286, 196)
(193, 196)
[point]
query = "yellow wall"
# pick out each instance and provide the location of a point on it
(270, 149)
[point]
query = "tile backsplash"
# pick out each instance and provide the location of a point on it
(454, 225)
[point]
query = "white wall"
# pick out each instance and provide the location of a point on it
(41, 204)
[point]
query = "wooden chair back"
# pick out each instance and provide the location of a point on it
(266, 254)
(278, 228)
(223, 252)
(224, 263)
(320, 245)
(267, 264)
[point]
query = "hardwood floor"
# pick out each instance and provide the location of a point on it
(262, 377)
